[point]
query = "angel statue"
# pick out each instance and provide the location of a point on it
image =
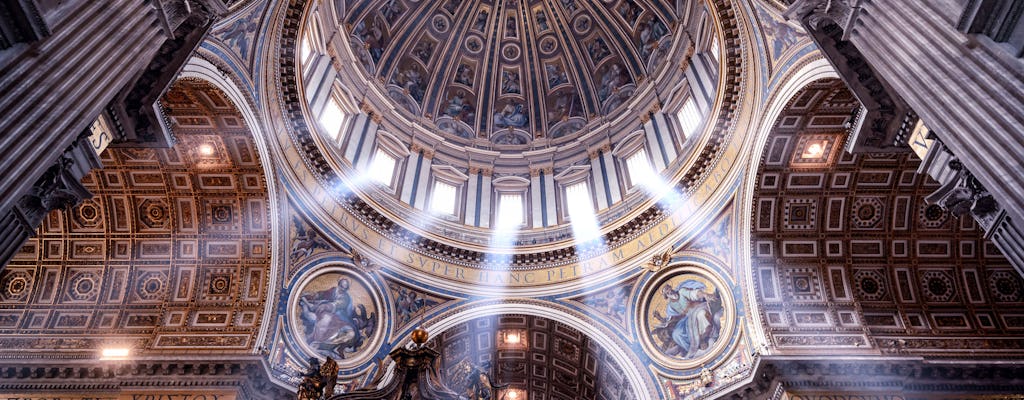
(319, 381)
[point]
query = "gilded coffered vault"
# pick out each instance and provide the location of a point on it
(847, 254)
(547, 199)
(170, 256)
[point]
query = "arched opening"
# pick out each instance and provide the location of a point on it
(536, 357)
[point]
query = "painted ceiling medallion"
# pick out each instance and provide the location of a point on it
(337, 313)
(511, 71)
(687, 317)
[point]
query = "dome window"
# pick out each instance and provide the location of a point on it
(444, 198)
(332, 119)
(689, 118)
(638, 167)
(510, 210)
(382, 169)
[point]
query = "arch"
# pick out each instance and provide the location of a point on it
(643, 384)
(816, 69)
(199, 68)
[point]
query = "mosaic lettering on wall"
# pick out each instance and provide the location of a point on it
(171, 253)
(848, 255)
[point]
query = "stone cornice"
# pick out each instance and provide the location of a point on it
(893, 375)
(244, 375)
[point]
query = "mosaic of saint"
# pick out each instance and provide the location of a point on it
(686, 317)
(338, 316)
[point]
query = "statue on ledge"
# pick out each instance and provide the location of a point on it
(416, 376)
(319, 381)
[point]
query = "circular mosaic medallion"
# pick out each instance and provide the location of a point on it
(440, 23)
(474, 44)
(687, 316)
(337, 313)
(510, 51)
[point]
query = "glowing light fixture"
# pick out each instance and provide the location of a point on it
(511, 339)
(513, 394)
(115, 353)
(206, 149)
(814, 150)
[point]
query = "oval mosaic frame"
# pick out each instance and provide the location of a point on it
(652, 299)
(362, 286)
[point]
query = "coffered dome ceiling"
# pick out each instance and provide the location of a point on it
(510, 71)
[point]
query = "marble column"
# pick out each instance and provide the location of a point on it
(966, 86)
(75, 59)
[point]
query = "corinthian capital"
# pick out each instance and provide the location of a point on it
(814, 12)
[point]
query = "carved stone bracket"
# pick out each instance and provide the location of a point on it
(962, 195)
(247, 377)
(60, 187)
(135, 109)
(21, 22)
(889, 375)
(882, 123)
(815, 12)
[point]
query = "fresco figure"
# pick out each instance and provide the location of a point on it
(569, 5)
(598, 50)
(691, 324)
(464, 75)
(481, 21)
(372, 37)
(423, 51)
(391, 10)
(512, 115)
(611, 81)
(333, 322)
(556, 76)
(652, 31)
(542, 21)
(510, 82)
(412, 81)
(408, 303)
(459, 108)
(629, 11)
